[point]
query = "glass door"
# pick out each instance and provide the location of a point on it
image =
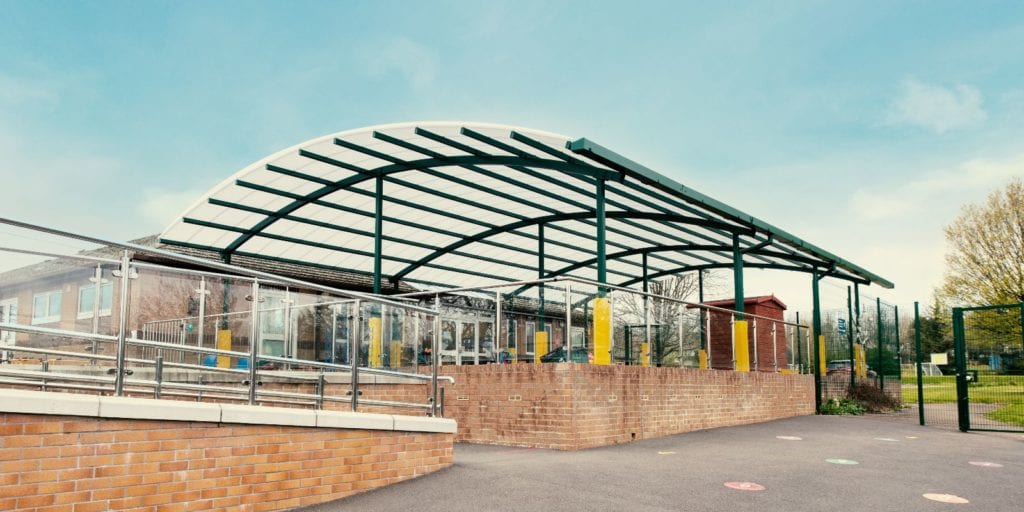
(449, 349)
(469, 344)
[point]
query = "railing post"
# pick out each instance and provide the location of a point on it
(321, 384)
(46, 368)
(732, 343)
(757, 361)
(122, 334)
(775, 348)
(435, 360)
(357, 342)
(159, 377)
(254, 332)
(567, 333)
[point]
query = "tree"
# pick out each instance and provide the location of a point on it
(664, 315)
(985, 262)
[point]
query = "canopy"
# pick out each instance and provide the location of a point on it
(450, 204)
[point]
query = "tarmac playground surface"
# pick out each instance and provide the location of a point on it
(812, 463)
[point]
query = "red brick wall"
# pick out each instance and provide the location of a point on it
(76, 464)
(576, 406)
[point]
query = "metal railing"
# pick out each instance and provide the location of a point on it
(135, 352)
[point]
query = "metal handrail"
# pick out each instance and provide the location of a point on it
(224, 267)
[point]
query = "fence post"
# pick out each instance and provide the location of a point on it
(567, 332)
(960, 354)
(357, 342)
(917, 353)
(881, 346)
(122, 345)
(435, 359)
(254, 332)
(159, 377)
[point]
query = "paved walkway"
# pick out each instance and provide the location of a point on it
(897, 462)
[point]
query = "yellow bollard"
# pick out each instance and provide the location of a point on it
(540, 345)
(740, 347)
(702, 359)
(396, 354)
(645, 354)
(821, 354)
(224, 343)
(375, 340)
(602, 331)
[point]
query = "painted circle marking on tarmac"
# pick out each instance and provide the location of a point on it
(789, 438)
(945, 498)
(745, 486)
(889, 439)
(985, 464)
(666, 453)
(842, 462)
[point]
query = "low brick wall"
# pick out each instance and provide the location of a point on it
(58, 463)
(570, 406)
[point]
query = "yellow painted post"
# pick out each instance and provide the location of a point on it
(741, 348)
(602, 331)
(396, 354)
(702, 359)
(821, 354)
(645, 354)
(859, 366)
(224, 343)
(540, 347)
(375, 342)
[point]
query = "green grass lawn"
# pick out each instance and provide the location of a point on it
(991, 389)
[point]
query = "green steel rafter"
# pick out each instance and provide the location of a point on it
(476, 186)
(366, 174)
(511, 181)
(615, 161)
(351, 210)
(762, 266)
(398, 221)
(625, 254)
(369, 234)
(563, 184)
(319, 245)
(560, 154)
(554, 218)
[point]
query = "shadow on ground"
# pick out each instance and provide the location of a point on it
(897, 462)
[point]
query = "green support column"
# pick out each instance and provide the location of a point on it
(602, 306)
(540, 274)
(881, 376)
(849, 335)
(816, 332)
(378, 228)
(917, 359)
(602, 270)
(703, 354)
(376, 322)
(646, 345)
(741, 348)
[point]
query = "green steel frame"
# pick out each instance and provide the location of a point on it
(579, 191)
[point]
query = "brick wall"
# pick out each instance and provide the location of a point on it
(76, 464)
(575, 406)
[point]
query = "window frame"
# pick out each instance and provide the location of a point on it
(50, 316)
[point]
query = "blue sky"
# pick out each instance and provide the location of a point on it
(860, 126)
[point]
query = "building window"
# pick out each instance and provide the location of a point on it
(46, 307)
(87, 299)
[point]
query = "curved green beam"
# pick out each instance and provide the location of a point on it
(671, 248)
(562, 217)
(368, 174)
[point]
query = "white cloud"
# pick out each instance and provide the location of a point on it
(413, 61)
(947, 187)
(161, 207)
(936, 108)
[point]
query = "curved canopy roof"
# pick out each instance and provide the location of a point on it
(468, 204)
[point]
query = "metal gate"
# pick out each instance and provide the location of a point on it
(988, 343)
